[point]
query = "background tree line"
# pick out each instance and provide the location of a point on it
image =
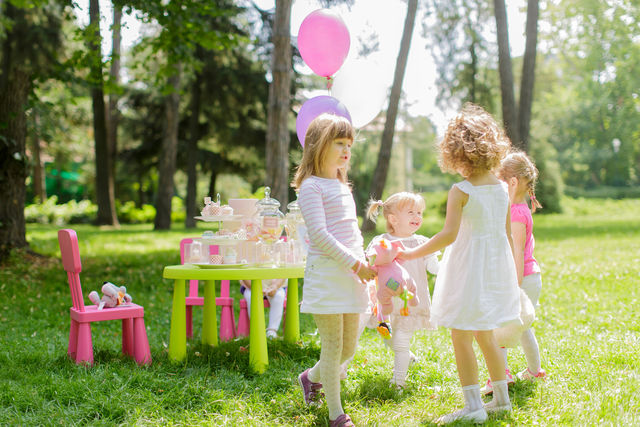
(205, 102)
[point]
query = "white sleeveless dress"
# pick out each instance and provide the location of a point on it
(477, 285)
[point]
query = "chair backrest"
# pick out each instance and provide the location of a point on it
(68, 241)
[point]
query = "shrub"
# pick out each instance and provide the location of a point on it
(72, 212)
(129, 214)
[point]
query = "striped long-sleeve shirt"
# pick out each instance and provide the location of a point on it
(330, 216)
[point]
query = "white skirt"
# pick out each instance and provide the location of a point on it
(329, 288)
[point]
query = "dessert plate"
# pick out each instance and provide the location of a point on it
(204, 265)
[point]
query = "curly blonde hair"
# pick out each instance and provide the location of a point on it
(518, 164)
(322, 131)
(394, 203)
(473, 142)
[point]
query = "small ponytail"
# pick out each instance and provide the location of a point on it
(373, 210)
(535, 204)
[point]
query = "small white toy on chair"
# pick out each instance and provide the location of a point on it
(113, 296)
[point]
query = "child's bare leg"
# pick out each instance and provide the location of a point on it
(468, 373)
(492, 355)
(327, 370)
(495, 364)
(465, 357)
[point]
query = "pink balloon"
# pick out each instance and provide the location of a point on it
(313, 107)
(323, 41)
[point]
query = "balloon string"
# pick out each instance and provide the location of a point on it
(329, 83)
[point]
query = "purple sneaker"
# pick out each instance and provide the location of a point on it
(310, 390)
(342, 421)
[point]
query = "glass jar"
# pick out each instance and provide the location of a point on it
(296, 234)
(269, 219)
(269, 223)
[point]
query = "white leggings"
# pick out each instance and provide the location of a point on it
(338, 337)
(400, 343)
(277, 307)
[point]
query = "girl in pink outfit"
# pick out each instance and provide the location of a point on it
(476, 289)
(334, 282)
(520, 173)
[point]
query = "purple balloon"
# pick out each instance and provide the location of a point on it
(323, 41)
(313, 107)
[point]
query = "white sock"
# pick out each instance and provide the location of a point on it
(500, 392)
(472, 400)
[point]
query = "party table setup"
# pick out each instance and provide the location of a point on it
(248, 244)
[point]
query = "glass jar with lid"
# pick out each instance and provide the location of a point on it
(269, 222)
(269, 219)
(296, 234)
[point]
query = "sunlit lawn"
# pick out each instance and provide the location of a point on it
(588, 327)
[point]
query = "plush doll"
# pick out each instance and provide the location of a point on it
(509, 334)
(113, 296)
(393, 281)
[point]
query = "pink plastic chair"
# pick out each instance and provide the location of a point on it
(227, 317)
(134, 334)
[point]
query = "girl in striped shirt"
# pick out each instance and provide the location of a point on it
(334, 290)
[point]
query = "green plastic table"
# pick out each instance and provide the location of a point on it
(258, 355)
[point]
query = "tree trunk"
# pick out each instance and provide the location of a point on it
(528, 74)
(474, 69)
(113, 115)
(277, 144)
(13, 166)
(168, 153)
(384, 156)
(39, 188)
(192, 152)
(212, 182)
(509, 111)
(104, 185)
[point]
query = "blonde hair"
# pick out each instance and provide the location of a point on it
(392, 205)
(322, 131)
(473, 142)
(518, 164)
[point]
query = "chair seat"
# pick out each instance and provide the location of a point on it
(92, 314)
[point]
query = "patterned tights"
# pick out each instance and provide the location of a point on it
(339, 338)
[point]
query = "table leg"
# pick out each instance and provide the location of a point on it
(258, 353)
(292, 325)
(209, 319)
(178, 335)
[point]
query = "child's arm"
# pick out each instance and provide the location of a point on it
(519, 237)
(455, 202)
(312, 207)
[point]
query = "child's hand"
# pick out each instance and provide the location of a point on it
(365, 273)
(405, 254)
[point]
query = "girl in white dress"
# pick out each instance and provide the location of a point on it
(476, 289)
(403, 212)
(334, 288)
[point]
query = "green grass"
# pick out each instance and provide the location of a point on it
(588, 327)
